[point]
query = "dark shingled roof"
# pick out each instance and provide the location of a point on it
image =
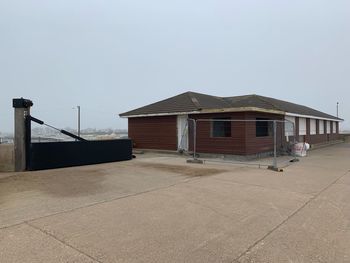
(197, 102)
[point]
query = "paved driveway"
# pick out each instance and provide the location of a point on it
(160, 209)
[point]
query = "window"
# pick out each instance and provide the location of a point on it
(334, 127)
(320, 127)
(312, 126)
(263, 127)
(221, 127)
(328, 128)
(302, 126)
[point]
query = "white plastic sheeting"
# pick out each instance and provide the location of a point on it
(312, 126)
(288, 126)
(328, 127)
(302, 126)
(182, 132)
(321, 127)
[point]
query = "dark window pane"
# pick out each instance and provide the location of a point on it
(262, 127)
(221, 128)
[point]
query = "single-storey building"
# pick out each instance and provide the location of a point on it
(239, 125)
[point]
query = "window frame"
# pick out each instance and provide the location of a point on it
(226, 121)
(268, 126)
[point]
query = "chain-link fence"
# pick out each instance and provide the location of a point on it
(258, 141)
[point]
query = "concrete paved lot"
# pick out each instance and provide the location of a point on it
(160, 209)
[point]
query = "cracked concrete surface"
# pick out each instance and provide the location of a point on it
(160, 209)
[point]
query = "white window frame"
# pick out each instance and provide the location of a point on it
(334, 127)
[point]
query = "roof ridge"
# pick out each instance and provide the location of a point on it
(194, 100)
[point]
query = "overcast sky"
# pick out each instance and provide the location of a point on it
(113, 56)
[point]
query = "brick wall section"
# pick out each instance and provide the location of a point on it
(153, 132)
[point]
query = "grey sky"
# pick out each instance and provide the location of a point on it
(113, 56)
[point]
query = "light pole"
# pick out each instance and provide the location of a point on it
(337, 109)
(78, 107)
(78, 120)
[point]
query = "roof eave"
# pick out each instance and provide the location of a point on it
(220, 110)
(312, 117)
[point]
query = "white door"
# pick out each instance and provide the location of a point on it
(182, 132)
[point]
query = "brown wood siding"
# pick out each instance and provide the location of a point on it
(153, 132)
(161, 133)
(228, 145)
(255, 144)
(243, 140)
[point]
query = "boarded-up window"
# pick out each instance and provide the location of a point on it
(221, 127)
(328, 127)
(334, 127)
(312, 126)
(321, 127)
(289, 125)
(302, 126)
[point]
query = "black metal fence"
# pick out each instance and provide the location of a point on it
(48, 155)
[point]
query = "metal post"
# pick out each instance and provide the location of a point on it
(294, 142)
(78, 120)
(28, 126)
(337, 109)
(194, 138)
(22, 132)
(274, 145)
(194, 160)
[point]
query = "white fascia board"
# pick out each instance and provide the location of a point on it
(242, 109)
(310, 117)
(160, 114)
(208, 111)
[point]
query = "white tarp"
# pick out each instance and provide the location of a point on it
(302, 126)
